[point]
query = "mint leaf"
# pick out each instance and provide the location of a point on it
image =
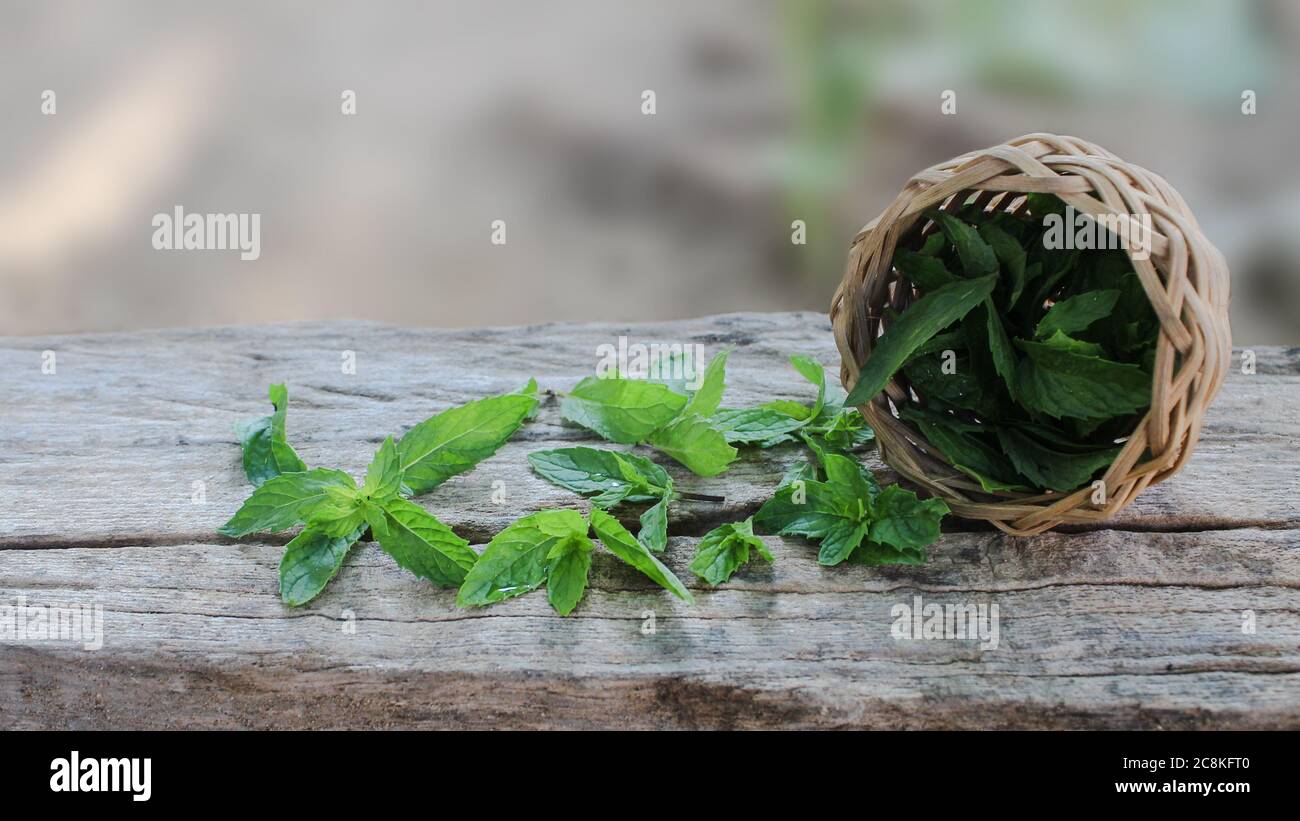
(922, 320)
(621, 410)
(267, 454)
(619, 542)
(568, 565)
(610, 476)
(725, 549)
(755, 426)
(459, 438)
(1012, 256)
(924, 271)
(339, 513)
(904, 522)
(1076, 313)
(654, 526)
(310, 561)
(284, 501)
(384, 476)
(1050, 468)
(1062, 383)
(691, 440)
(812, 370)
(846, 430)
(706, 400)
(977, 258)
(806, 508)
(517, 559)
(418, 542)
(965, 448)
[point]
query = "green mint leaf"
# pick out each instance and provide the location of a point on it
(901, 520)
(840, 541)
(284, 501)
(961, 388)
(338, 514)
(621, 410)
(810, 509)
(384, 476)
(691, 440)
(568, 565)
(924, 271)
(620, 542)
(1062, 383)
(459, 438)
(706, 400)
(1076, 313)
(517, 559)
(934, 244)
(789, 408)
(654, 526)
(725, 549)
(267, 454)
(977, 258)
(845, 472)
(530, 390)
(922, 320)
(1049, 468)
(1003, 353)
(310, 561)
(965, 448)
(804, 471)
(610, 476)
(377, 518)
(1060, 341)
(418, 542)
(846, 430)
(1011, 254)
(812, 370)
(755, 426)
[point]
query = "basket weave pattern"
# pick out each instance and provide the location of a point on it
(1185, 277)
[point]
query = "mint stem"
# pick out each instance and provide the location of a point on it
(700, 497)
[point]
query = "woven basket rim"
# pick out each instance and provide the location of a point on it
(1185, 277)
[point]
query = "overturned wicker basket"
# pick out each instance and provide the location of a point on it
(1185, 277)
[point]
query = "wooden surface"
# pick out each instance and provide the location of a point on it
(1136, 623)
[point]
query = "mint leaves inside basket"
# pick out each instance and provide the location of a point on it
(1027, 365)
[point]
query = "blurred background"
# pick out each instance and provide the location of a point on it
(532, 113)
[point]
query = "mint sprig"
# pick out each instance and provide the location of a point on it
(337, 513)
(844, 508)
(640, 411)
(552, 547)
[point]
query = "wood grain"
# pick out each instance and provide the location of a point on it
(1138, 623)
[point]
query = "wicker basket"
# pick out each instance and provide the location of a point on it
(1185, 277)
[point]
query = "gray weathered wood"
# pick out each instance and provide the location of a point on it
(1138, 622)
